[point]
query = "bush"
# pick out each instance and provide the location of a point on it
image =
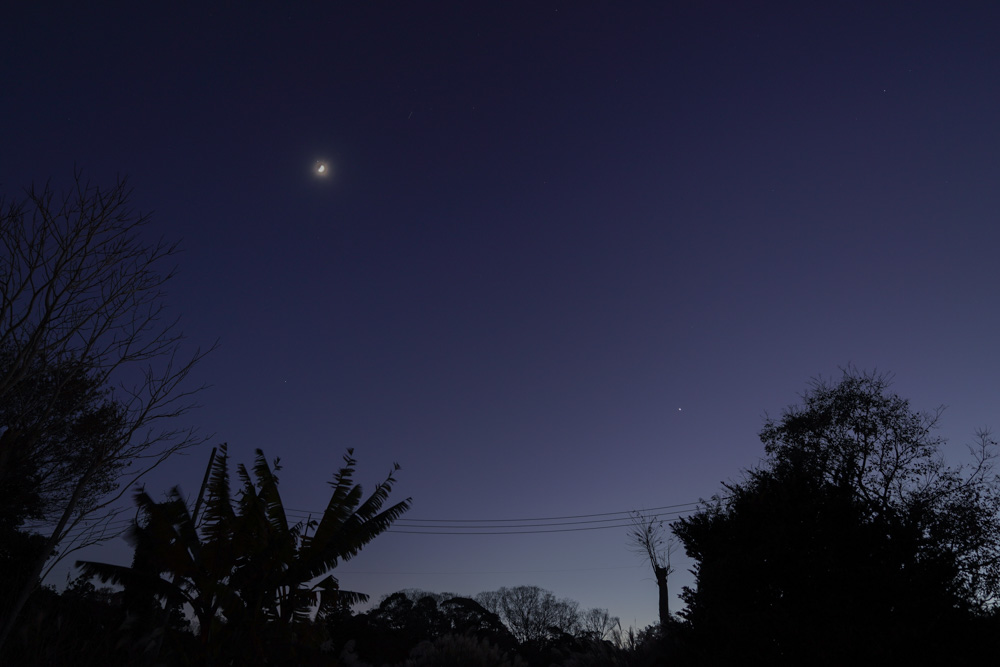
(460, 651)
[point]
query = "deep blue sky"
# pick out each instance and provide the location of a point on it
(569, 255)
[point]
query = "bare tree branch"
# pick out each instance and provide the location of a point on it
(647, 538)
(93, 373)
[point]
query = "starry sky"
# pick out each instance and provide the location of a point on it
(567, 255)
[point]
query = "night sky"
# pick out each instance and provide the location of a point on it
(567, 256)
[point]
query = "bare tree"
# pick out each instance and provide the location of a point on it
(84, 334)
(647, 538)
(600, 624)
(532, 613)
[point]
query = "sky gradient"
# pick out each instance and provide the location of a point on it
(567, 257)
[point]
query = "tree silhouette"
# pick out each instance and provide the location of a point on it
(600, 625)
(54, 422)
(388, 633)
(532, 614)
(82, 313)
(853, 539)
(248, 575)
(647, 538)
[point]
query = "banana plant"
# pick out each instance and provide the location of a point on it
(246, 571)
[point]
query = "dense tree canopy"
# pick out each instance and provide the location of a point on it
(55, 422)
(388, 633)
(854, 535)
(531, 626)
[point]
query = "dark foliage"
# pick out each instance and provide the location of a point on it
(414, 627)
(53, 424)
(853, 543)
(90, 368)
(249, 577)
(82, 626)
(388, 633)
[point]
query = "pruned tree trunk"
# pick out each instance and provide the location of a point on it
(647, 539)
(662, 573)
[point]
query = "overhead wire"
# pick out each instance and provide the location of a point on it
(570, 516)
(483, 526)
(486, 526)
(533, 525)
(482, 572)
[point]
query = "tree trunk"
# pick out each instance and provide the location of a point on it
(661, 585)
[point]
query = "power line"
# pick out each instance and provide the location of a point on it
(342, 571)
(545, 525)
(480, 526)
(404, 524)
(558, 518)
(539, 525)
(505, 532)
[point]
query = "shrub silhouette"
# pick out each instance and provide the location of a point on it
(854, 539)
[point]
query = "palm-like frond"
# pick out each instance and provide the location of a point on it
(345, 527)
(267, 482)
(219, 516)
(252, 565)
(166, 542)
(357, 532)
(346, 496)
